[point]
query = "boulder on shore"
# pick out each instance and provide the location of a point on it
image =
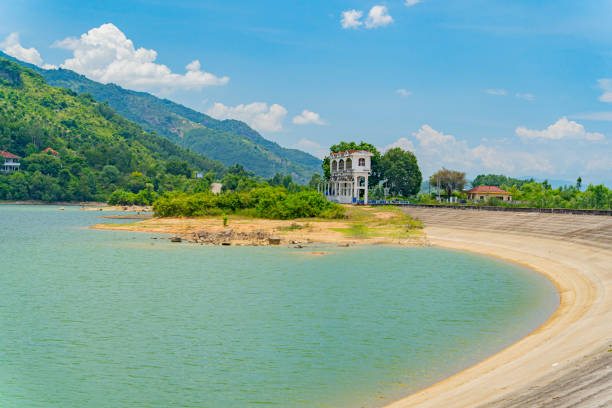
(274, 240)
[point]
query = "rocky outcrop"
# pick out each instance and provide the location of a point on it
(229, 237)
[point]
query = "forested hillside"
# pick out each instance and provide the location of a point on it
(229, 141)
(95, 150)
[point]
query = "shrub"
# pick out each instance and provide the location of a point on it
(262, 202)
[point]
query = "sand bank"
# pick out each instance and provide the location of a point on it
(364, 225)
(566, 362)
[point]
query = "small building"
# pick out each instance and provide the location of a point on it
(483, 193)
(348, 177)
(215, 188)
(11, 162)
(50, 151)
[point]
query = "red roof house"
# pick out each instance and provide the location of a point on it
(481, 193)
(11, 162)
(50, 150)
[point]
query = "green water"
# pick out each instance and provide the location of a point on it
(117, 319)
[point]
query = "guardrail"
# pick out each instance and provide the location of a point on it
(518, 209)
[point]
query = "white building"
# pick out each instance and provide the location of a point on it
(11, 162)
(215, 188)
(348, 180)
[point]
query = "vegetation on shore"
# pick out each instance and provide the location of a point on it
(529, 193)
(261, 202)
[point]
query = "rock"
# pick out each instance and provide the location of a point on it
(226, 243)
(274, 240)
(176, 239)
(298, 246)
(343, 245)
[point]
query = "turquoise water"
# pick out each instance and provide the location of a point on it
(115, 319)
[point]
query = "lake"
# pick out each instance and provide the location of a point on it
(93, 318)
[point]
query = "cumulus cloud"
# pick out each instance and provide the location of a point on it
(312, 147)
(378, 17)
(258, 115)
(500, 92)
(351, 19)
(106, 55)
(307, 118)
(403, 143)
(435, 149)
(403, 92)
(606, 85)
(526, 96)
(410, 3)
(13, 47)
(562, 129)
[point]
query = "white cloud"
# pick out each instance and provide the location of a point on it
(403, 92)
(12, 47)
(351, 19)
(562, 129)
(257, 114)
(501, 92)
(403, 143)
(526, 96)
(312, 147)
(435, 150)
(106, 55)
(606, 116)
(410, 3)
(606, 85)
(378, 17)
(307, 117)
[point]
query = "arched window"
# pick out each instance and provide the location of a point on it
(341, 165)
(349, 164)
(334, 166)
(362, 162)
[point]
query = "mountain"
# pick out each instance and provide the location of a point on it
(229, 141)
(94, 150)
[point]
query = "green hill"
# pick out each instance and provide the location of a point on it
(229, 141)
(97, 149)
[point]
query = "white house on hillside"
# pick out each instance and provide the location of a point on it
(348, 181)
(11, 162)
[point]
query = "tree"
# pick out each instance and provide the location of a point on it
(178, 167)
(315, 180)
(579, 183)
(344, 146)
(402, 172)
(449, 180)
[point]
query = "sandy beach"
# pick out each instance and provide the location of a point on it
(567, 362)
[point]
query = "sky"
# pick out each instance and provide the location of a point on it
(521, 88)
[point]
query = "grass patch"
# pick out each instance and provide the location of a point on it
(294, 227)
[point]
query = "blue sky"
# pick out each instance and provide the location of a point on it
(522, 88)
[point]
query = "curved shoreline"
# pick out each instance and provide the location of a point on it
(575, 331)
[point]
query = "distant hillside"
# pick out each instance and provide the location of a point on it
(229, 141)
(94, 151)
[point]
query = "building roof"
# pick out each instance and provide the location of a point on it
(50, 150)
(350, 152)
(8, 155)
(488, 189)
